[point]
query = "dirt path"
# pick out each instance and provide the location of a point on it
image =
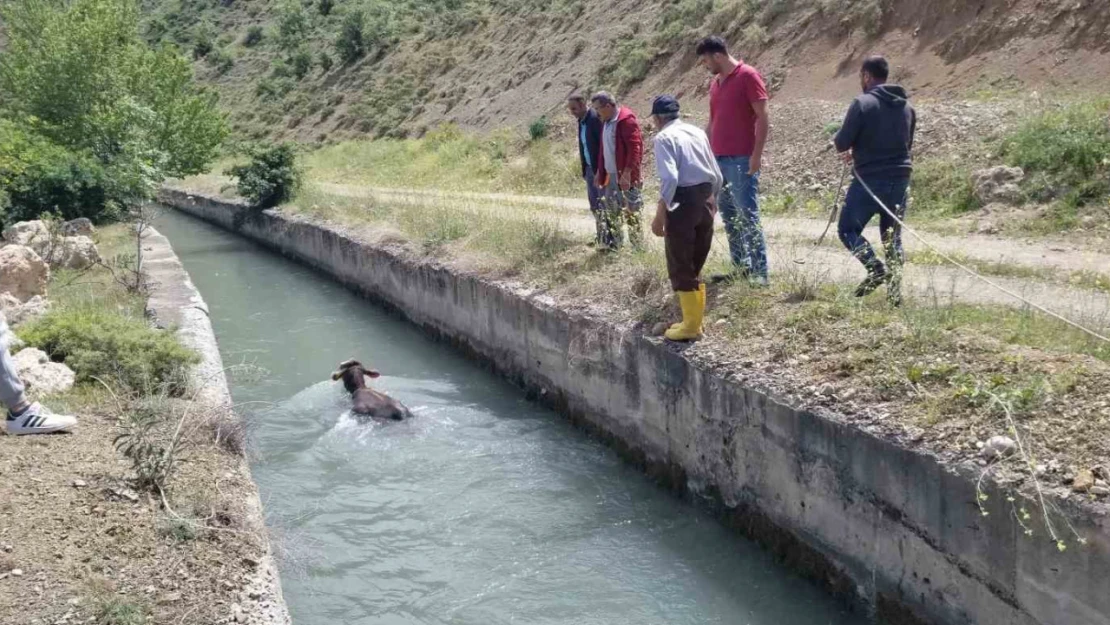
(793, 256)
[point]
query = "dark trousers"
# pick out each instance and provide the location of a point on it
(860, 208)
(689, 235)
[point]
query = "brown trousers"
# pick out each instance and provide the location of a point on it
(689, 236)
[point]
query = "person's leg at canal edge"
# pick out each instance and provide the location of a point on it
(593, 194)
(746, 195)
(894, 195)
(24, 417)
(614, 205)
(688, 235)
(858, 210)
(633, 215)
(729, 205)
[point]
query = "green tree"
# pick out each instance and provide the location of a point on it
(76, 73)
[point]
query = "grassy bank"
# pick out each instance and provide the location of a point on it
(138, 515)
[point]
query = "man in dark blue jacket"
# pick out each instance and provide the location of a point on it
(877, 137)
(589, 144)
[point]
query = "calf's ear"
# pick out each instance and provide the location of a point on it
(372, 373)
(336, 375)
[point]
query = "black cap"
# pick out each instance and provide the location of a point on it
(663, 105)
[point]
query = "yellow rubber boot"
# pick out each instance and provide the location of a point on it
(701, 296)
(693, 311)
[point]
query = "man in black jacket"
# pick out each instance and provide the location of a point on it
(877, 137)
(589, 144)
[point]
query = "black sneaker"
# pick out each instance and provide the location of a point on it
(872, 282)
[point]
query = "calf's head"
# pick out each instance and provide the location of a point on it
(353, 375)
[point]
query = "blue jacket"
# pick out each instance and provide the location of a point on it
(879, 130)
(593, 139)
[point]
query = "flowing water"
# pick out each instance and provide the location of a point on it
(483, 509)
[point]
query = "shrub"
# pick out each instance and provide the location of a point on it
(538, 129)
(221, 59)
(204, 40)
(325, 62)
(301, 62)
(325, 6)
(79, 70)
(633, 59)
(351, 45)
(39, 176)
(1064, 152)
(272, 176)
(292, 24)
(253, 36)
(113, 347)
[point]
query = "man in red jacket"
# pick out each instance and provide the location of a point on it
(618, 170)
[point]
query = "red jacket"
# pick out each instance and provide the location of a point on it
(630, 148)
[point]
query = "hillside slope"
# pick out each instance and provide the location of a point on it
(483, 64)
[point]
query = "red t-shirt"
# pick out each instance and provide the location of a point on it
(731, 116)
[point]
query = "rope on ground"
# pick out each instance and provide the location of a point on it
(968, 270)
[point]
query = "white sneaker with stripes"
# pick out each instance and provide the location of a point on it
(37, 419)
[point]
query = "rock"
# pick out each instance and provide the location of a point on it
(23, 273)
(998, 184)
(17, 572)
(59, 249)
(1100, 491)
(1084, 481)
(237, 614)
(40, 375)
(80, 483)
(74, 253)
(659, 328)
(721, 323)
(81, 226)
(27, 233)
(18, 312)
(999, 446)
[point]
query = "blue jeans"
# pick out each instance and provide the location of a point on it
(860, 208)
(738, 202)
(11, 389)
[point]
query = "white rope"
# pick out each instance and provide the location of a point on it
(972, 272)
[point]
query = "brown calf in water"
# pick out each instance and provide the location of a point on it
(366, 401)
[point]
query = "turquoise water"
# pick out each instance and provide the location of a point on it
(483, 509)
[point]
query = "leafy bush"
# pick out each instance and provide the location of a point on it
(325, 62)
(1064, 152)
(293, 24)
(77, 75)
(96, 343)
(325, 6)
(39, 177)
(203, 40)
(350, 45)
(253, 36)
(301, 63)
(632, 61)
(272, 176)
(538, 129)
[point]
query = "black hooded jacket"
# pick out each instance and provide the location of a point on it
(879, 129)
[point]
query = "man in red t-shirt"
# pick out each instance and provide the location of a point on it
(738, 125)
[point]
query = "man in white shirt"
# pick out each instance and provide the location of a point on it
(689, 182)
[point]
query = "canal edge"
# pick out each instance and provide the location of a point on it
(868, 517)
(173, 301)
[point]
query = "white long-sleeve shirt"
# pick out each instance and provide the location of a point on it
(684, 158)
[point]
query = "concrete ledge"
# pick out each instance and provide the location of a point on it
(889, 526)
(175, 302)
